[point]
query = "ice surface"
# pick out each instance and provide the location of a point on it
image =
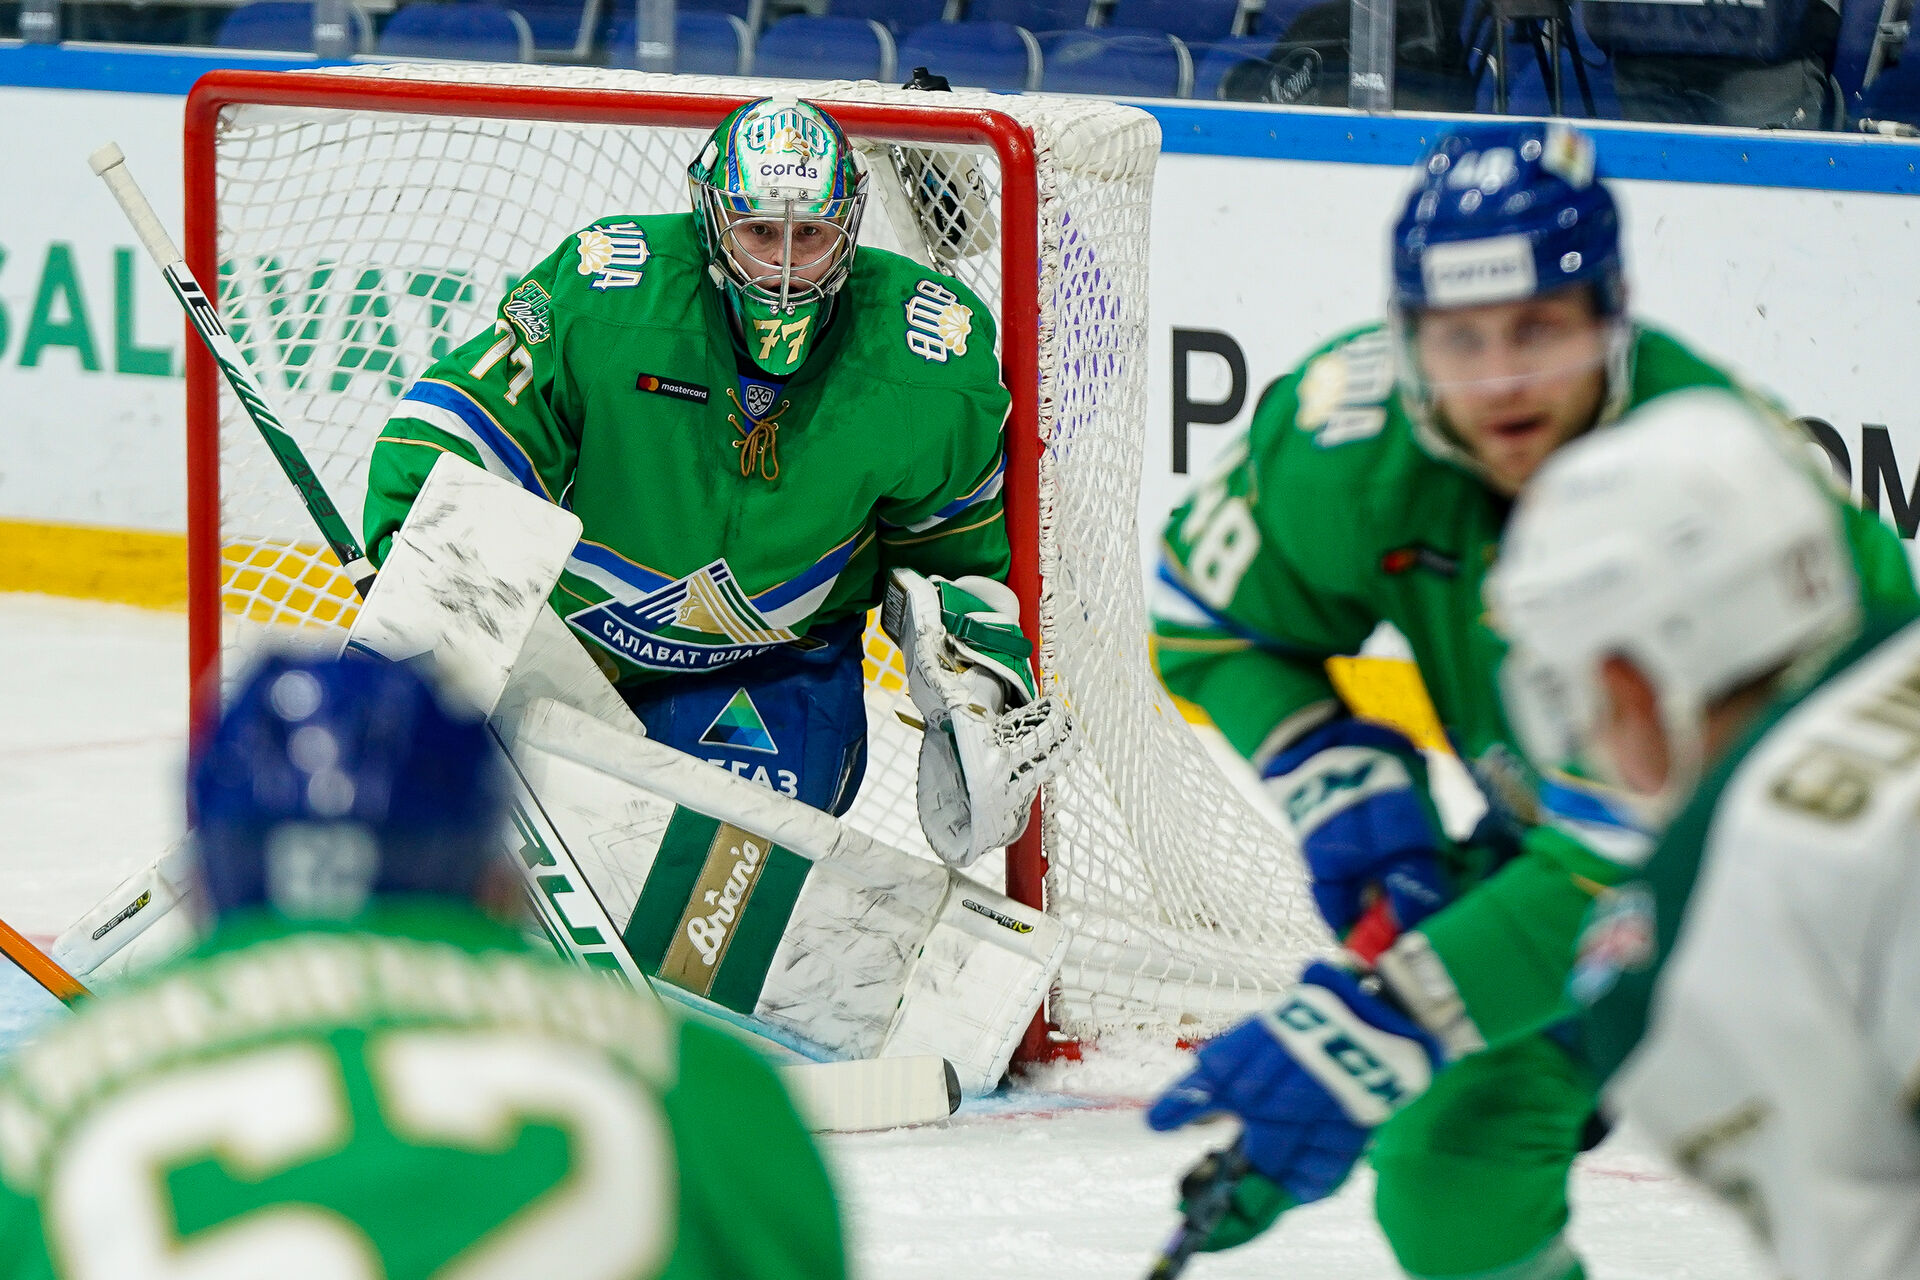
(1058, 1179)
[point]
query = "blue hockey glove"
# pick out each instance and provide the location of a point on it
(1355, 793)
(1309, 1081)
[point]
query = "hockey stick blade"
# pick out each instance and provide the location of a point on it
(873, 1093)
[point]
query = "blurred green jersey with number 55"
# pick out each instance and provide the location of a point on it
(415, 1094)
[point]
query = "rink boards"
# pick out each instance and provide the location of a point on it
(1789, 257)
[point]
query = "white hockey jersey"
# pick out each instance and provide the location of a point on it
(1769, 966)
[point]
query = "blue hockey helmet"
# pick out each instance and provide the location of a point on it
(1506, 211)
(330, 781)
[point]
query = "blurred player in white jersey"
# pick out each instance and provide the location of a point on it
(1684, 621)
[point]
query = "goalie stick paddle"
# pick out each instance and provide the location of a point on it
(41, 967)
(1208, 1192)
(864, 1096)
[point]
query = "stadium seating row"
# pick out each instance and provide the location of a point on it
(1146, 60)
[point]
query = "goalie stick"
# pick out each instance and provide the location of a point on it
(877, 1094)
(834, 1097)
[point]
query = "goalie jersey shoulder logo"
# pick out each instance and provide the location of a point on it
(938, 323)
(613, 253)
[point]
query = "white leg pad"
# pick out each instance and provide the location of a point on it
(883, 953)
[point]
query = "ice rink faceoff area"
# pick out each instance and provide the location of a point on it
(1059, 1176)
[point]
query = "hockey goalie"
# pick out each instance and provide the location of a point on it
(740, 433)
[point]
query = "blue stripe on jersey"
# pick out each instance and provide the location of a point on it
(822, 570)
(985, 491)
(487, 433)
(613, 563)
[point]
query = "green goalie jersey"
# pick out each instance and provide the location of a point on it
(1335, 516)
(420, 1096)
(724, 512)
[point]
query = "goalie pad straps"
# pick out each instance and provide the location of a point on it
(989, 742)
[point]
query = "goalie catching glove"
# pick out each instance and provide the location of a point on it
(990, 741)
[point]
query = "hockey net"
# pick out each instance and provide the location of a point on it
(363, 223)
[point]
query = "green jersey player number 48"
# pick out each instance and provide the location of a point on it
(1373, 486)
(365, 1071)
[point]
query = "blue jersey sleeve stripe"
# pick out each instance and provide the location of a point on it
(612, 563)
(484, 431)
(826, 568)
(1171, 579)
(987, 490)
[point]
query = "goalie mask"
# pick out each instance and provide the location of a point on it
(777, 195)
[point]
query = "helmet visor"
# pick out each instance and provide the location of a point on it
(781, 252)
(1473, 353)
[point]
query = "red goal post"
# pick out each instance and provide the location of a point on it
(1158, 947)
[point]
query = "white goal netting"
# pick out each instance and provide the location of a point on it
(359, 239)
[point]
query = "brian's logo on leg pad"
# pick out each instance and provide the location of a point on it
(740, 726)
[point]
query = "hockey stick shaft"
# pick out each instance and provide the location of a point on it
(1208, 1191)
(110, 164)
(39, 966)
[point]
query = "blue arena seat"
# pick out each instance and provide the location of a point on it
(475, 32)
(1194, 21)
(562, 29)
(1894, 94)
(1038, 16)
(1527, 80)
(1212, 61)
(286, 24)
(1863, 47)
(897, 16)
(979, 55)
(1117, 61)
(1527, 85)
(1277, 15)
(705, 43)
(808, 48)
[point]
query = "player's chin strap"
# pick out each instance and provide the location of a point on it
(990, 741)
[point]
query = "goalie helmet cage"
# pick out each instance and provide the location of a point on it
(363, 221)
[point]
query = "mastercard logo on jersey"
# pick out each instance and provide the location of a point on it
(691, 392)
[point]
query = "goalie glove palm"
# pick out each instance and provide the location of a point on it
(989, 741)
(1309, 1081)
